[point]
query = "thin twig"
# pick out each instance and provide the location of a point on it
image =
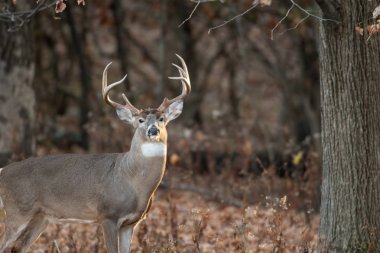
(191, 14)
(279, 22)
(308, 13)
(11, 15)
(296, 26)
(27, 18)
(235, 17)
(311, 14)
(255, 3)
(19, 18)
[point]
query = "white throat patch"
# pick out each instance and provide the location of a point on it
(152, 149)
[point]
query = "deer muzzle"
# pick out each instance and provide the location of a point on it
(153, 131)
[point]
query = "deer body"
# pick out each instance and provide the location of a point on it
(102, 184)
(114, 190)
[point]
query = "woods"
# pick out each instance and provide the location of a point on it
(17, 100)
(284, 106)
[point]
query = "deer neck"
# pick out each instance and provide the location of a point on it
(145, 162)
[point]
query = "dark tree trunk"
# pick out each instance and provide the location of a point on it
(193, 113)
(16, 94)
(350, 93)
(122, 39)
(84, 74)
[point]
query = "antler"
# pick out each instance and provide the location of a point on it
(106, 89)
(186, 85)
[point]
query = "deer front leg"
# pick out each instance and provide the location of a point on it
(110, 236)
(125, 238)
(33, 230)
(15, 224)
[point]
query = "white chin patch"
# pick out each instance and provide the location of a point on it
(152, 149)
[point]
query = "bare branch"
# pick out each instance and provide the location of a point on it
(329, 8)
(296, 26)
(255, 3)
(191, 14)
(18, 18)
(313, 15)
(283, 18)
(308, 13)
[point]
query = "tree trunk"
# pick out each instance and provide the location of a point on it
(193, 115)
(84, 74)
(16, 94)
(350, 93)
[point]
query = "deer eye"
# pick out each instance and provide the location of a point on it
(161, 119)
(141, 120)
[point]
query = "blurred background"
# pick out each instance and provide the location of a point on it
(243, 167)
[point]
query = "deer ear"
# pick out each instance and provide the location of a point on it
(173, 110)
(125, 115)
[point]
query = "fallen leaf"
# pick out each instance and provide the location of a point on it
(297, 158)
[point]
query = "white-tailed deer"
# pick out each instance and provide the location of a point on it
(114, 190)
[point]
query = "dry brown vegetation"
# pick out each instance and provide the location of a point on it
(243, 167)
(186, 222)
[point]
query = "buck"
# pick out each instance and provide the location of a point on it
(113, 190)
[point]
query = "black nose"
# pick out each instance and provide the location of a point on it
(153, 131)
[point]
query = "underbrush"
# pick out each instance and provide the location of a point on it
(186, 222)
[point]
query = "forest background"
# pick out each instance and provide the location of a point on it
(244, 170)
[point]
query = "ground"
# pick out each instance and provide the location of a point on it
(182, 221)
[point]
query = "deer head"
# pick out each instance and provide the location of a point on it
(149, 123)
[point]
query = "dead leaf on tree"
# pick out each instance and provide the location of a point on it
(262, 2)
(60, 6)
(376, 12)
(372, 29)
(265, 2)
(359, 30)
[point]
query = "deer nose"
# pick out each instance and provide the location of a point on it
(153, 131)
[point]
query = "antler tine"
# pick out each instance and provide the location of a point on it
(184, 73)
(106, 89)
(186, 84)
(130, 106)
(183, 63)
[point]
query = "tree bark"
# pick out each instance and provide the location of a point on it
(193, 114)
(17, 98)
(122, 38)
(84, 74)
(162, 50)
(350, 94)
